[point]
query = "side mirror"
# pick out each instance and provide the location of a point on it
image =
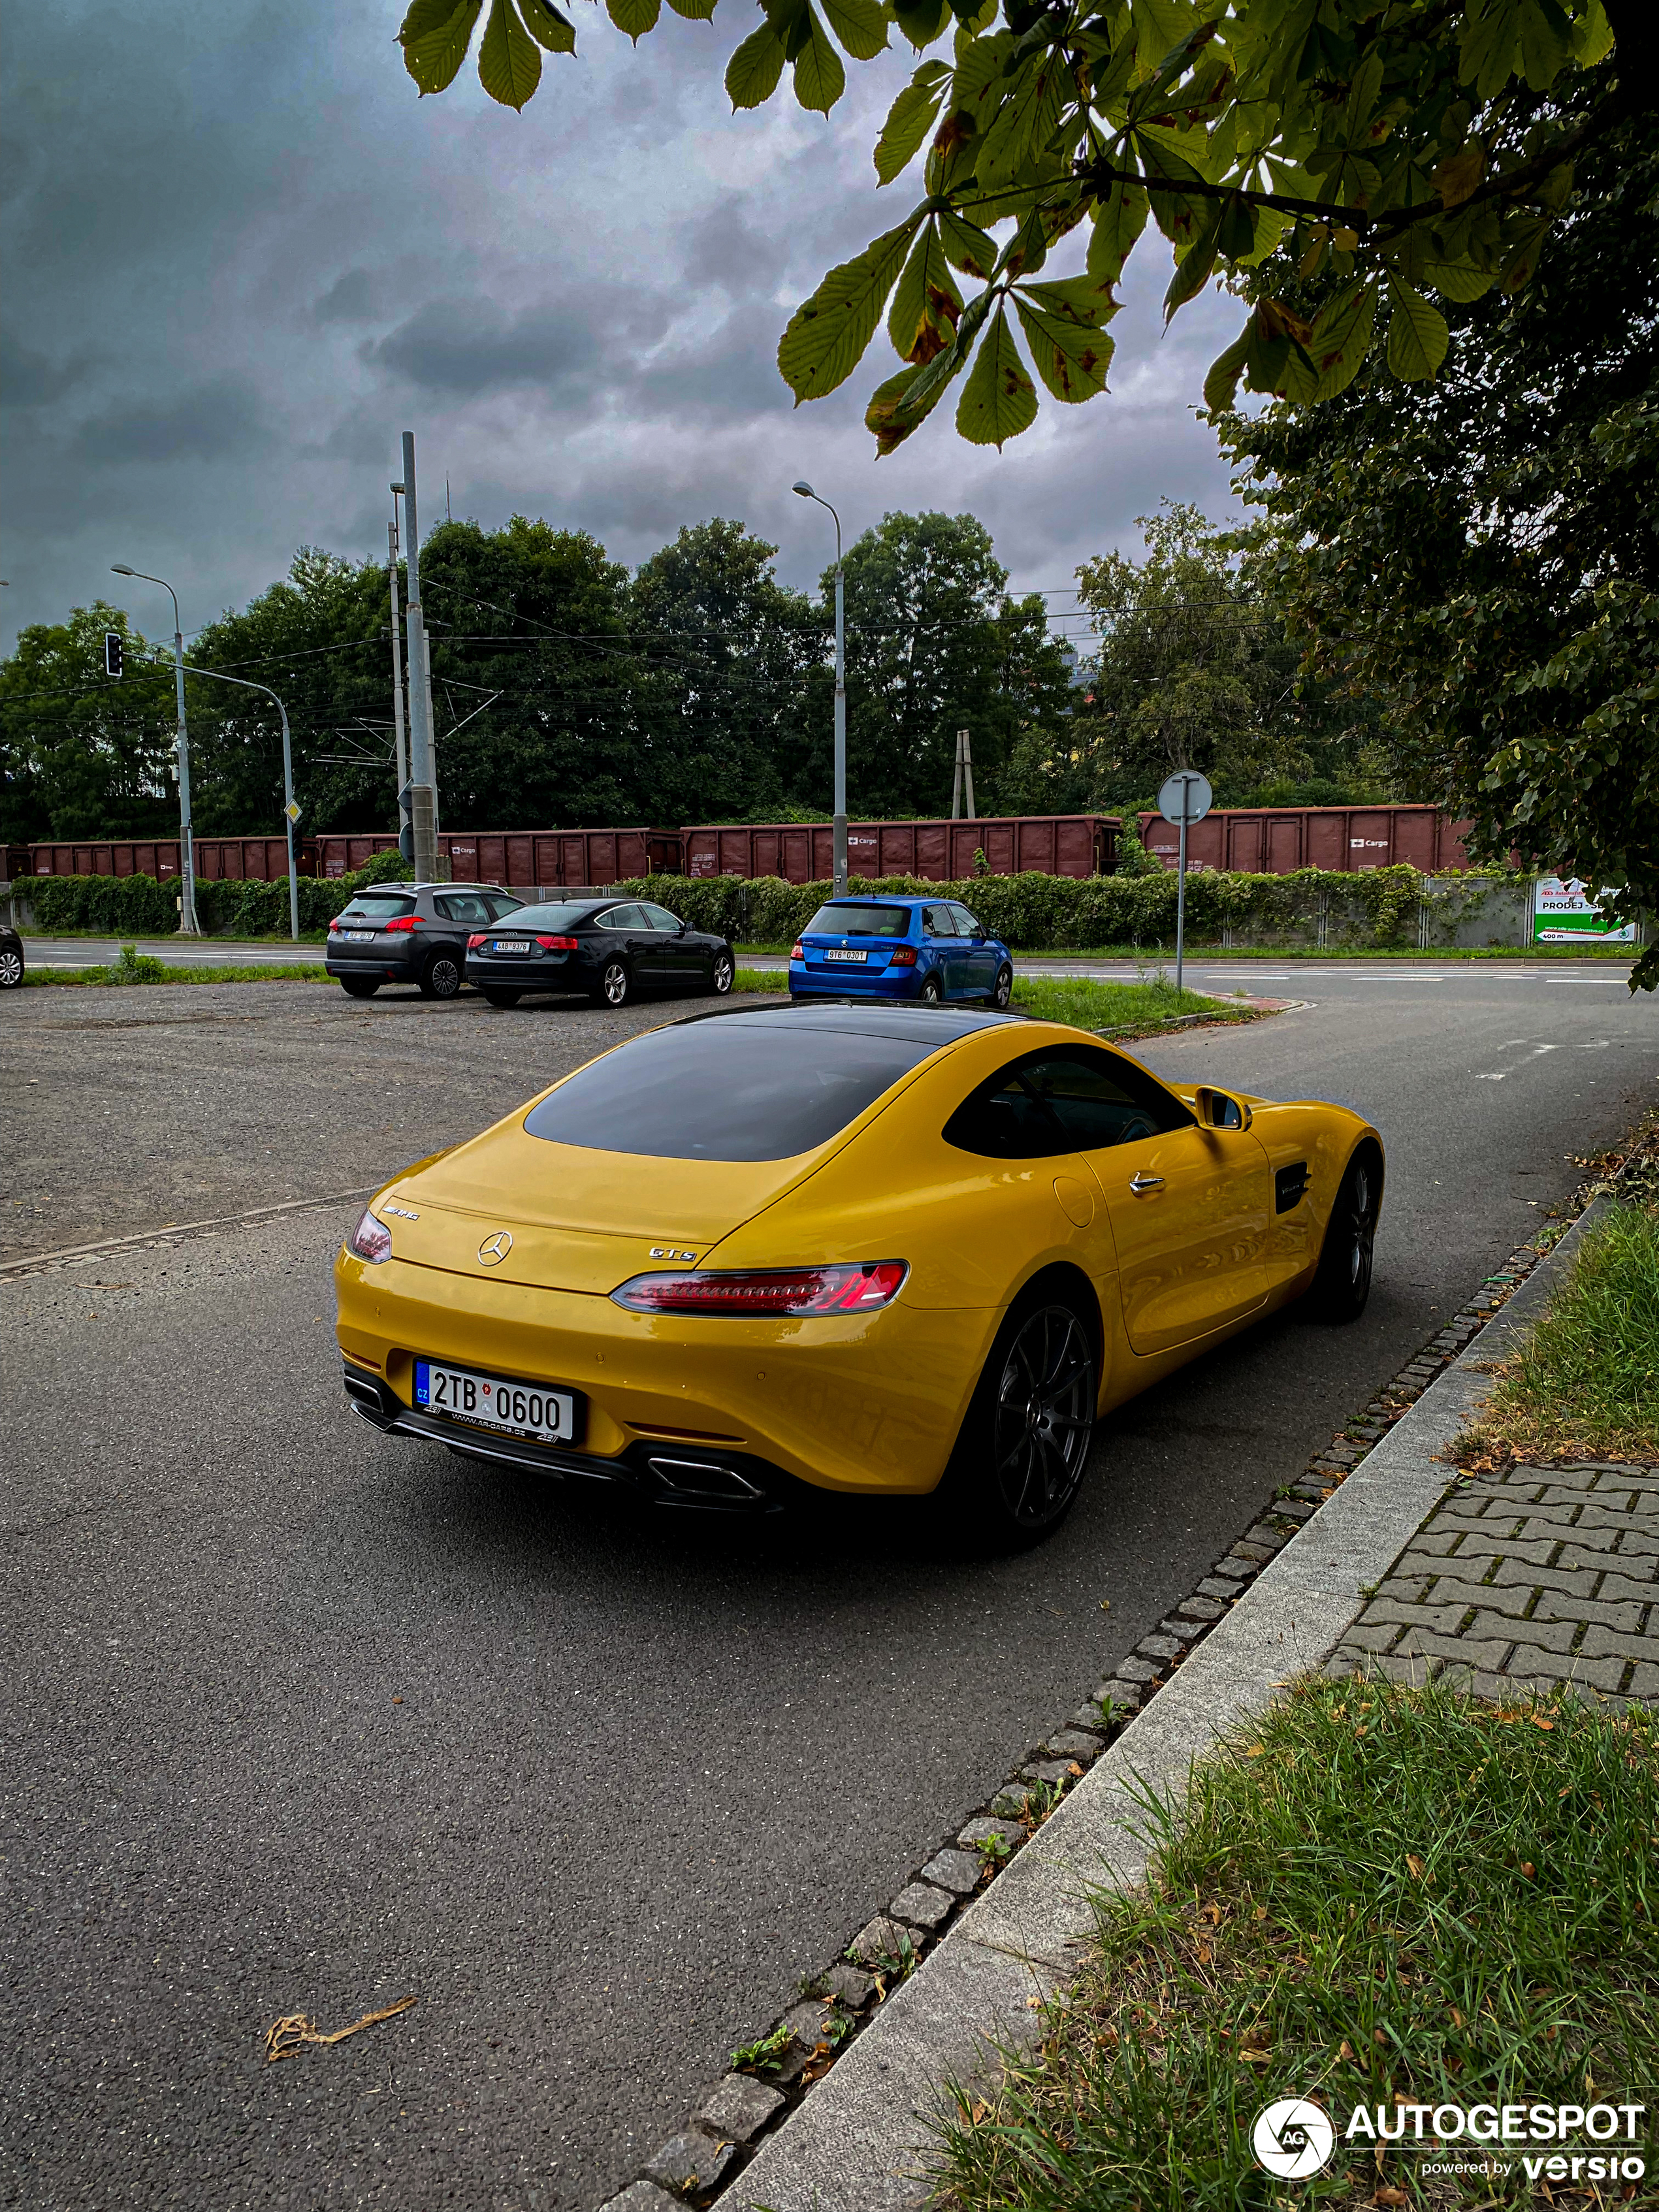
(679, 929)
(1219, 1110)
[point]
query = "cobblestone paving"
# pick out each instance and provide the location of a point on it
(1526, 1577)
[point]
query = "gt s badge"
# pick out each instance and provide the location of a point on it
(667, 1252)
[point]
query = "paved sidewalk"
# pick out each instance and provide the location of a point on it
(1526, 1577)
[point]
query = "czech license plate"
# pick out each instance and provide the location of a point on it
(858, 956)
(358, 936)
(517, 1409)
(510, 944)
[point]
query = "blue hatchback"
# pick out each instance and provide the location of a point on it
(925, 949)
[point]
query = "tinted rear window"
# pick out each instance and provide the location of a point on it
(723, 1090)
(379, 906)
(834, 920)
(555, 919)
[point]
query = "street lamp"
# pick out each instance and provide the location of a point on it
(290, 811)
(187, 923)
(839, 835)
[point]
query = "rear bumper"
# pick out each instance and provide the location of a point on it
(556, 971)
(815, 982)
(405, 969)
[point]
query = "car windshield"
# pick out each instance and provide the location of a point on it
(378, 906)
(556, 919)
(727, 1090)
(842, 918)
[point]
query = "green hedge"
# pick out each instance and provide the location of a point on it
(138, 905)
(1036, 913)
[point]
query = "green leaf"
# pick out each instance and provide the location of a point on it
(1197, 264)
(1221, 385)
(1456, 280)
(695, 11)
(509, 60)
(820, 79)
(1085, 300)
(882, 417)
(1592, 36)
(1490, 46)
(1071, 359)
(435, 36)
(999, 399)
(926, 304)
(921, 20)
(1546, 43)
(910, 120)
(859, 25)
(1341, 337)
(920, 397)
(1025, 123)
(967, 246)
(828, 334)
(1119, 218)
(752, 73)
(634, 17)
(1417, 332)
(550, 25)
(1160, 27)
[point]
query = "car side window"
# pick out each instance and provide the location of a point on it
(965, 922)
(659, 917)
(621, 917)
(939, 921)
(500, 905)
(462, 905)
(1077, 1099)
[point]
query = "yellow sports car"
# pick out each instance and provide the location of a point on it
(859, 1248)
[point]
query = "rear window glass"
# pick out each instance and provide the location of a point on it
(556, 919)
(723, 1090)
(843, 920)
(379, 906)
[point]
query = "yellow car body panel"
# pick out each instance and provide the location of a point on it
(870, 1402)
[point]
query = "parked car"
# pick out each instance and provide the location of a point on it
(929, 949)
(867, 1249)
(610, 949)
(11, 960)
(411, 933)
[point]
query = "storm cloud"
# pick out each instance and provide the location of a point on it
(242, 257)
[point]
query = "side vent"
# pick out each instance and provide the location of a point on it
(1290, 1187)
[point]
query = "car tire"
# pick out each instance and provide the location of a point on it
(11, 970)
(722, 973)
(440, 978)
(1003, 989)
(1024, 1448)
(616, 985)
(502, 998)
(1342, 1285)
(930, 994)
(359, 987)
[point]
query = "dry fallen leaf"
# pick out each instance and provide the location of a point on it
(1527, 1869)
(1539, 1721)
(1345, 2049)
(283, 2037)
(1255, 1751)
(1392, 2197)
(1415, 1864)
(1260, 1912)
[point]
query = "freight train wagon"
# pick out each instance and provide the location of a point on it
(935, 852)
(547, 858)
(1277, 841)
(218, 859)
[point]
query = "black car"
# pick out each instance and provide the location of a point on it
(411, 933)
(11, 960)
(610, 948)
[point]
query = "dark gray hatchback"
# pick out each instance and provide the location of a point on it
(411, 933)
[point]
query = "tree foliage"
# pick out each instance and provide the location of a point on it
(103, 750)
(1393, 152)
(1488, 558)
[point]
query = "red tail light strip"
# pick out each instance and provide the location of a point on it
(858, 1287)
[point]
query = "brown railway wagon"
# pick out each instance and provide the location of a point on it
(935, 852)
(547, 857)
(105, 856)
(1277, 841)
(252, 859)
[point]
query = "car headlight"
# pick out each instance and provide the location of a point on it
(370, 1240)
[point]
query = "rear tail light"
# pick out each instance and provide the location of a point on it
(860, 1287)
(473, 943)
(370, 1240)
(798, 951)
(334, 924)
(902, 956)
(556, 943)
(403, 922)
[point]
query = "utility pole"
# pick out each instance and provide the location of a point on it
(422, 793)
(838, 835)
(964, 775)
(400, 741)
(188, 925)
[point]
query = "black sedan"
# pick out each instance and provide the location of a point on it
(610, 949)
(11, 960)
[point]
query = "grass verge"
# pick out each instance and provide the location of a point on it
(1387, 1895)
(1082, 1002)
(1146, 955)
(135, 967)
(1585, 1384)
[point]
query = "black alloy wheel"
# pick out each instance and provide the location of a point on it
(359, 987)
(616, 985)
(501, 998)
(1024, 1445)
(11, 968)
(931, 992)
(1003, 989)
(441, 976)
(1343, 1284)
(722, 975)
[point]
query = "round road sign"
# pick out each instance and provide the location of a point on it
(1187, 797)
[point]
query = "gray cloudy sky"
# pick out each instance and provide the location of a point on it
(242, 258)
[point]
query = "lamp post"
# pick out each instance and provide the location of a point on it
(290, 811)
(839, 834)
(187, 923)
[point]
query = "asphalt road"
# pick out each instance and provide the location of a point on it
(300, 1718)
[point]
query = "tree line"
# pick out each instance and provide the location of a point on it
(569, 692)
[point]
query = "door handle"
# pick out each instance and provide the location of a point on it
(1140, 1183)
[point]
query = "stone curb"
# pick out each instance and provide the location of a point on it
(857, 2141)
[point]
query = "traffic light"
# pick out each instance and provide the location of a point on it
(114, 653)
(406, 834)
